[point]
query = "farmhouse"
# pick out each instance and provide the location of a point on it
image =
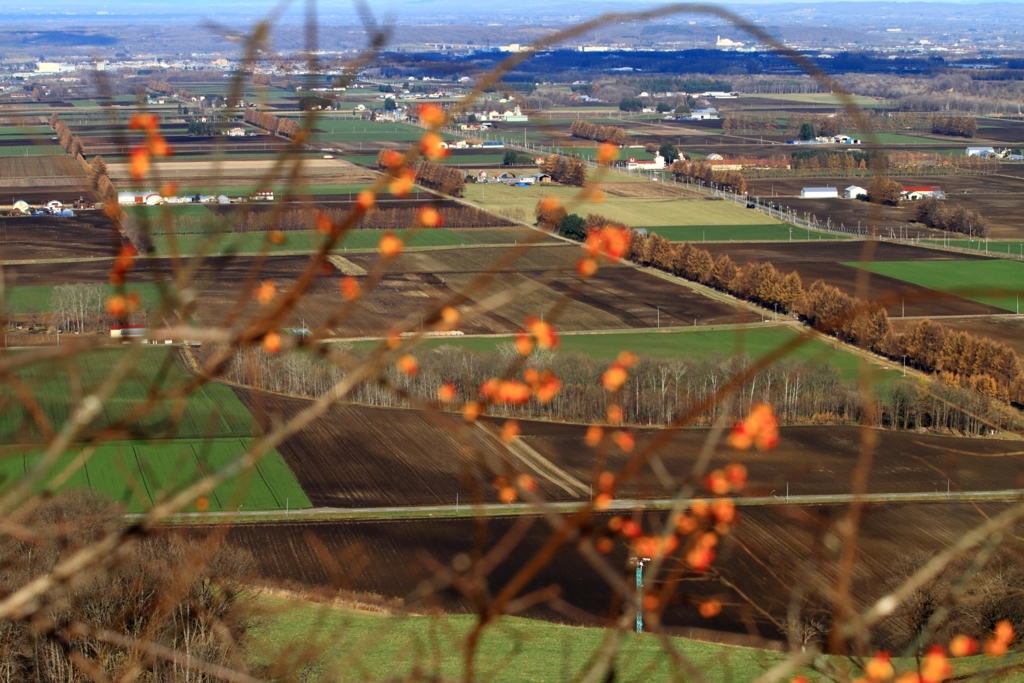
(236, 133)
(262, 196)
(655, 164)
(819, 193)
(981, 151)
(854, 191)
(912, 193)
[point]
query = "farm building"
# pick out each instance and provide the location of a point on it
(854, 191)
(127, 331)
(707, 114)
(819, 193)
(492, 144)
(981, 151)
(262, 196)
(145, 197)
(912, 193)
(655, 164)
(236, 132)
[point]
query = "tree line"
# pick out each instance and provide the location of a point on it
(71, 143)
(441, 178)
(960, 126)
(565, 170)
(657, 391)
(959, 358)
(951, 217)
(702, 171)
(161, 87)
(276, 125)
(590, 131)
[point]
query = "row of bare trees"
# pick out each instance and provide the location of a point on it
(277, 125)
(591, 131)
(161, 87)
(701, 171)
(78, 307)
(71, 143)
(960, 126)
(441, 178)
(960, 358)
(658, 390)
(952, 217)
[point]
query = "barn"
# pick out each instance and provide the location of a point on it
(819, 193)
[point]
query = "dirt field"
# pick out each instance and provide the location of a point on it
(41, 237)
(618, 297)
(362, 456)
(764, 558)
(823, 261)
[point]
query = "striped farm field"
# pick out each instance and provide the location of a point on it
(188, 438)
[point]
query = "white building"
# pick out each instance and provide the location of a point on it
(706, 114)
(655, 164)
(819, 193)
(142, 197)
(854, 191)
(981, 151)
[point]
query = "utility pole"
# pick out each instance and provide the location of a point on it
(640, 592)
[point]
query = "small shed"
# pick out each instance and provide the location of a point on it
(854, 191)
(981, 151)
(819, 193)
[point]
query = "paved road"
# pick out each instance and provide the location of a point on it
(655, 504)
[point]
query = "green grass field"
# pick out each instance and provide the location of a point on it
(687, 344)
(633, 211)
(370, 646)
(29, 150)
(36, 298)
(996, 282)
(186, 438)
(774, 232)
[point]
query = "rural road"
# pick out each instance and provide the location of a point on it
(492, 509)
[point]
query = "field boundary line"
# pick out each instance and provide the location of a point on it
(542, 466)
(620, 505)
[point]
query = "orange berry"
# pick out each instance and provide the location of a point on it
(593, 437)
(158, 146)
(433, 147)
(324, 225)
(365, 200)
(471, 411)
(169, 189)
(604, 545)
(139, 162)
(265, 292)
(526, 482)
(627, 359)
(401, 185)
(614, 377)
(446, 393)
(586, 268)
(879, 668)
(390, 245)
(509, 430)
(450, 317)
(936, 667)
(550, 204)
(276, 237)
(143, 122)
(272, 342)
(724, 510)
(624, 440)
(717, 483)
(614, 414)
(350, 288)
(524, 345)
(631, 529)
(605, 480)
(598, 196)
(607, 152)
(117, 306)
(602, 501)
(431, 114)
(507, 495)
(429, 217)
(736, 474)
(650, 602)
(963, 646)
(392, 159)
(408, 364)
(710, 608)
(202, 504)
(543, 332)
(394, 340)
